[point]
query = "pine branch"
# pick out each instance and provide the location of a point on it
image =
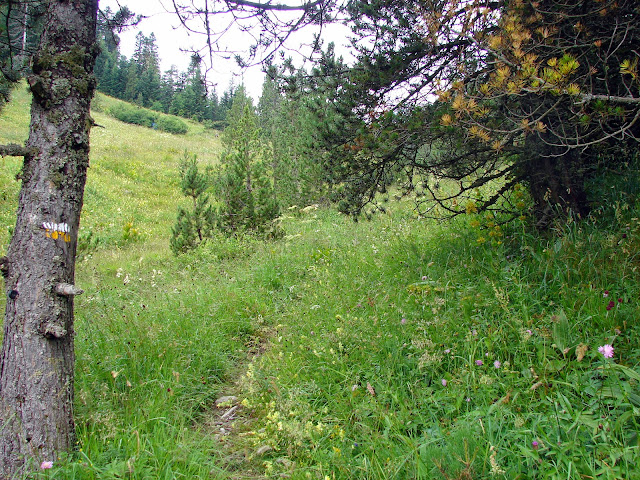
(278, 6)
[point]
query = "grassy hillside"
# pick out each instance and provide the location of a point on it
(391, 349)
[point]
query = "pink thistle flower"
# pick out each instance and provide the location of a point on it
(606, 351)
(479, 363)
(444, 382)
(46, 465)
(535, 445)
(497, 364)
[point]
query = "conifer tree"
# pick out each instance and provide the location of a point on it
(193, 226)
(287, 126)
(244, 184)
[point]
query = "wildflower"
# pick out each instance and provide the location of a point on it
(606, 351)
(610, 305)
(403, 321)
(535, 445)
(424, 277)
(46, 465)
(479, 363)
(448, 350)
(529, 332)
(620, 300)
(444, 382)
(497, 364)
(605, 294)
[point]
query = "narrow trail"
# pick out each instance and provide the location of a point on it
(232, 423)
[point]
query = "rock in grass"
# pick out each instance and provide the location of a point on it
(226, 401)
(262, 450)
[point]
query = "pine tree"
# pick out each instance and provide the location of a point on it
(193, 226)
(244, 185)
(287, 126)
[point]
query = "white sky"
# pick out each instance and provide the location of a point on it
(171, 37)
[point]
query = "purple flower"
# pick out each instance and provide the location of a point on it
(448, 350)
(610, 305)
(606, 351)
(403, 321)
(535, 445)
(479, 363)
(424, 277)
(605, 294)
(46, 465)
(497, 364)
(444, 382)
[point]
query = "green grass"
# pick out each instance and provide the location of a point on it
(354, 347)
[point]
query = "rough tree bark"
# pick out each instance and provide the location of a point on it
(37, 358)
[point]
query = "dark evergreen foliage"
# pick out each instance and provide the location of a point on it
(538, 93)
(21, 24)
(139, 80)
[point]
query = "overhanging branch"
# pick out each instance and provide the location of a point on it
(586, 97)
(278, 6)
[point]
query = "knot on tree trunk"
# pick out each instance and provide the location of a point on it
(53, 330)
(67, 290)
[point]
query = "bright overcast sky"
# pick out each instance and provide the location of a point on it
(171, 38)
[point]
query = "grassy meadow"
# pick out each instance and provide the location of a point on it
(396, 348)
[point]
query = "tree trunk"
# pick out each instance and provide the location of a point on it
(556, 182)
(37, 359)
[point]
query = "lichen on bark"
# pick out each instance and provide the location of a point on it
(37, 357)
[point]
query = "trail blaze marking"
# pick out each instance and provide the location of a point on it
(57, 230)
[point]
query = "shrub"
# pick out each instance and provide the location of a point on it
(134, 115)
(172, 125)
